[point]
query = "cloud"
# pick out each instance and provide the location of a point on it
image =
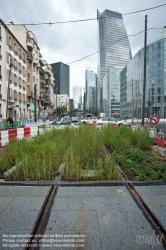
(71, 41)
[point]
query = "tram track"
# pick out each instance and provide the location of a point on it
(39, 226)
(144, 206)
(36, 235)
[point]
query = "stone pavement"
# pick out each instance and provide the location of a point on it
(82, 217)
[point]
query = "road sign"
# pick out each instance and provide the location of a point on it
(154, 119)
(43, 113)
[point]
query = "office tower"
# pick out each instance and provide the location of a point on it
(113, 45)
(77, 97)
(91, 91)
(132, 78)
(62, 78)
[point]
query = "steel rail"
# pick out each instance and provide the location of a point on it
(37, 230)
(137, 197)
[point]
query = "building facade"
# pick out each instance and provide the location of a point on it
(77, 97)
(61, 73)
(132, 77)
(91, 91)
(22, 67)
(13, 75)
(63, 101)
(113, 46)
(111, 92)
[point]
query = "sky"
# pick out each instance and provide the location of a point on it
(68, 42)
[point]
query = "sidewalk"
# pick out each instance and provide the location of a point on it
(98, 217)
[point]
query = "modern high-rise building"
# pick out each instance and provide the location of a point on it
(77, 97)
(113, 46)
(62, 78)
(111, 92)
(91, 91)
(132, 78)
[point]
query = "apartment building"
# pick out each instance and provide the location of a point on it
(20, 47)
(63, 101)
(13, 71)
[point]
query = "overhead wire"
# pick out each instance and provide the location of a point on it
(108, 46)
(89, 19)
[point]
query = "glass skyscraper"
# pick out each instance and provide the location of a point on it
(77, 97)
(132, 78)
(62, 78)
(113, 45)
(111, 92)
(91, 91)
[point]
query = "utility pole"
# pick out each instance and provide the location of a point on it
(84, 112)
(144, 83)
(8, 90)
(56, 103)
(35, 111)
(132, 100)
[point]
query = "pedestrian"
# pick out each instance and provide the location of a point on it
(10, 121)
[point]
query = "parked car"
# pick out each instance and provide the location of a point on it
(62, 121)
(75, 119)
(111, 120)
(89, 120)
(106, 121)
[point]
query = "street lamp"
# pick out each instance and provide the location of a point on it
(8, 89)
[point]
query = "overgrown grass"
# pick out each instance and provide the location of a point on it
(35, 159)
(82, 150)
(86, 153)
(127, 149)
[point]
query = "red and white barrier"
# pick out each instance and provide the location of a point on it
(19, 134)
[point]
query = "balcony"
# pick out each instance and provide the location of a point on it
(47, 72)
(30, 45)
(29, 57)
(35, 61)
(41, 61)
(48, 81)
(30, 94)
(38, 66)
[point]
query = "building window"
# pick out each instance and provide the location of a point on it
(158, 82)
(15, 49)
(23, 57)
(10, 59)
(164, 54)
(10, 42)
(33, 79)
(28, 76)
(19, 53)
